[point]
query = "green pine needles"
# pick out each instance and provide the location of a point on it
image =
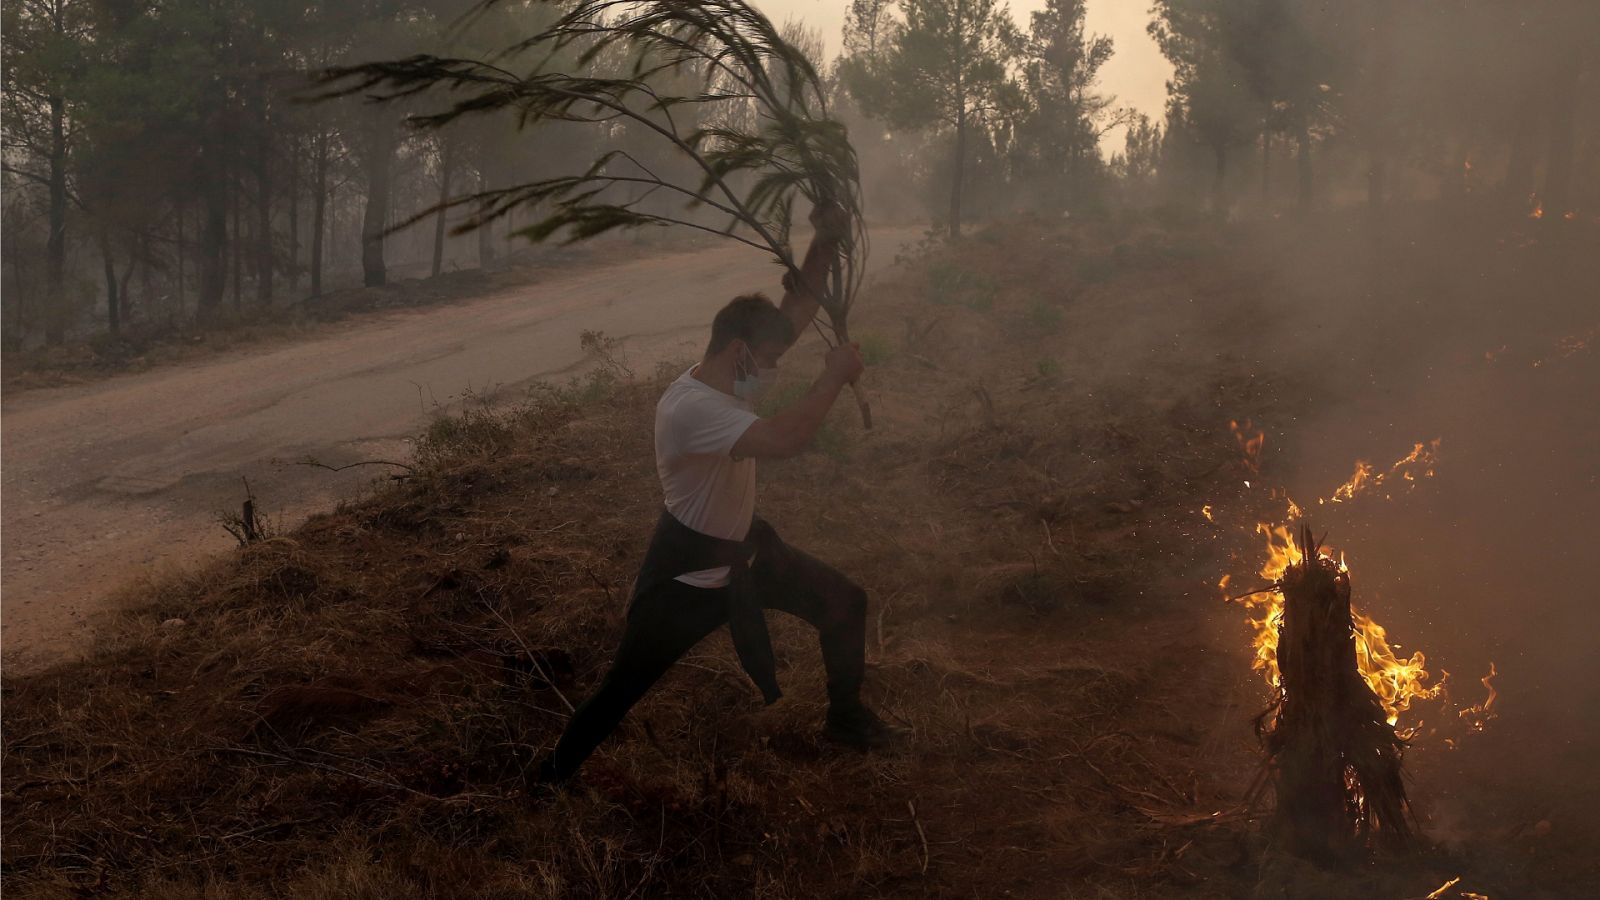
(738, 111)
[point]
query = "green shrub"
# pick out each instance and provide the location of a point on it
(875, 348)
(1044, 317)
(951, 285)
(780, 398)
(1095, 269)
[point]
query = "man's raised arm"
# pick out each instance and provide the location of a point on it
(801, 296)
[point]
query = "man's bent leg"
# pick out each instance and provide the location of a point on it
(802, 585)
(663, 624)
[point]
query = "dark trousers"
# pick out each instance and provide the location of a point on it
(665, 622)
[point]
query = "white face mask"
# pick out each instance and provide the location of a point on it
(753, 382)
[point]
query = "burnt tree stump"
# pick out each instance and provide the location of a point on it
(1334, 757)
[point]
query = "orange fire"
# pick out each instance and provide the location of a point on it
(1478, 715)
(1570, 345)
(1419, 463)
(1537, 207)
(1397, 681)
(1439, 892)
(1250, 445)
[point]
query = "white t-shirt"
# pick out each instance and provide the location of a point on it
(705, 487)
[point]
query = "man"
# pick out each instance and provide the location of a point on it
(711, 561)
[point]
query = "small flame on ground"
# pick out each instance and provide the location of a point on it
(1478, 715)
(1537, 207)
(1439, 892)
(1206, 511)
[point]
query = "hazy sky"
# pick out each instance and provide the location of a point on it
(1137, 74)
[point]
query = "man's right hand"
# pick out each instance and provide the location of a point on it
(844, 363)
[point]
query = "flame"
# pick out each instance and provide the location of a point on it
(1439, 892)
(1576, 343)
(1570, 345)
(1479, 714)
(1206, 511)
(1537, 207)
(1248, 444)
(1397, 681)
(1356, 483)
(1291, 508)
(1418, 463)
(1570, 215)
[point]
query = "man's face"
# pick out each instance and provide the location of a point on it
(764, 355)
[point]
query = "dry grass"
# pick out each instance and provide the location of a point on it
(348, 710)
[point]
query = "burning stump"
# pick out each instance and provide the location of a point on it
(1334, 757)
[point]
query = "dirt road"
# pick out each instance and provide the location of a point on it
(103, 482)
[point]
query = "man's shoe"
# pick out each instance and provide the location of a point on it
(542, 785)
(857, 726)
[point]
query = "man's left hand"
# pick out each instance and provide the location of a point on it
(831, 221)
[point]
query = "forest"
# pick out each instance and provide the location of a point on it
(167, 164)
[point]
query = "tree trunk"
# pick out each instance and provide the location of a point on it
(146, 289)
(179, 258)
(332, 264)
(380, 152)
(1074, 158)
(113, 303)
(960, 164)
(446, 160)
(1557, 194)
(294, 214)
(125, 299)
(55, 314)
(486, 232)
(1303, 161)
(237, 244)
(263, 173)
(213, 229)
(319, 207)
(1219, 181)
(1527, 129)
